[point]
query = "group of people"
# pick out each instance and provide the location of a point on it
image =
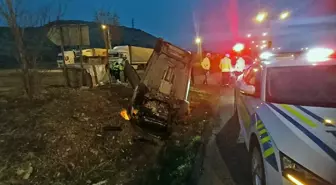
(225, 66)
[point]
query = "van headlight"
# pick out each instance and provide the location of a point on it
(297, 174)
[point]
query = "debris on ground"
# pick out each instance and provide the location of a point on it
(77, 136)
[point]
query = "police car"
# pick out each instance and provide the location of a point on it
(287, 114)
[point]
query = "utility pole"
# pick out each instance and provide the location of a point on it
(81, 55)
(132, 22)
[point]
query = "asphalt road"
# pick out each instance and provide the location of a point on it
(228, 158)
(232, 151)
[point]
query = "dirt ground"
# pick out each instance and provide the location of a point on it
(76, 136)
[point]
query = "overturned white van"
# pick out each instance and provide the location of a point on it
(160, 97)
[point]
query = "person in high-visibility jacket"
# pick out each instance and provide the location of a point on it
(226, 68)
(123, 66)
(206, 67)
(240, 66)
(115, 68)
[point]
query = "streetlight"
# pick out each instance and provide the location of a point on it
(107, 40)
(198, 40)
(261, 16)
(284, 15)
(108, 43)
(248, 35)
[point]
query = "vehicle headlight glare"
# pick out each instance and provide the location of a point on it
(266, 55)
(294, 180)
(299, 175)
(319, 54)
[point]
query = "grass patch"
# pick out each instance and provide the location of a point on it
(175, 164)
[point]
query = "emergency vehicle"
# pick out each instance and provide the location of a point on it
(287, 114)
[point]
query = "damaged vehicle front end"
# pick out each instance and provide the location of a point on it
(160, 98)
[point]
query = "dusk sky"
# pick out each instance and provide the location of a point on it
(219, 20)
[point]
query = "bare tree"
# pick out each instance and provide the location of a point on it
(115, 29)
(107, 17)
(28, 29)
(115, 19)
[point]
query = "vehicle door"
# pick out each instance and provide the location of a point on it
(131, 74)
(168, 71)
(246, 104)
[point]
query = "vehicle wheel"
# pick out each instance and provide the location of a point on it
(257, 167)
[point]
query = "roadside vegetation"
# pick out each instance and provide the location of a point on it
(76, 136)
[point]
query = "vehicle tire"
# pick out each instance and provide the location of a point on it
(257, 166)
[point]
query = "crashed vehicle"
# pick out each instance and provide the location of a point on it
(160, 97)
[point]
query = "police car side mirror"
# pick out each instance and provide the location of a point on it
(246, 89)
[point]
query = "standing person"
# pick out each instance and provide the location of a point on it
(110, 68)
(226, 68)
(206, 67)
(122, 68)
(116, 66)
(240, 66)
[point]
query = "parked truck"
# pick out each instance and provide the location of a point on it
(93, 55)
(90, 56)
(94, 52)
(137, 56)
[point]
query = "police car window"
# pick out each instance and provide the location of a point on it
(302, 85)
(252, 77)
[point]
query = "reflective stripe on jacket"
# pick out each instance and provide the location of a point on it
(116, 66)
(225, 65)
